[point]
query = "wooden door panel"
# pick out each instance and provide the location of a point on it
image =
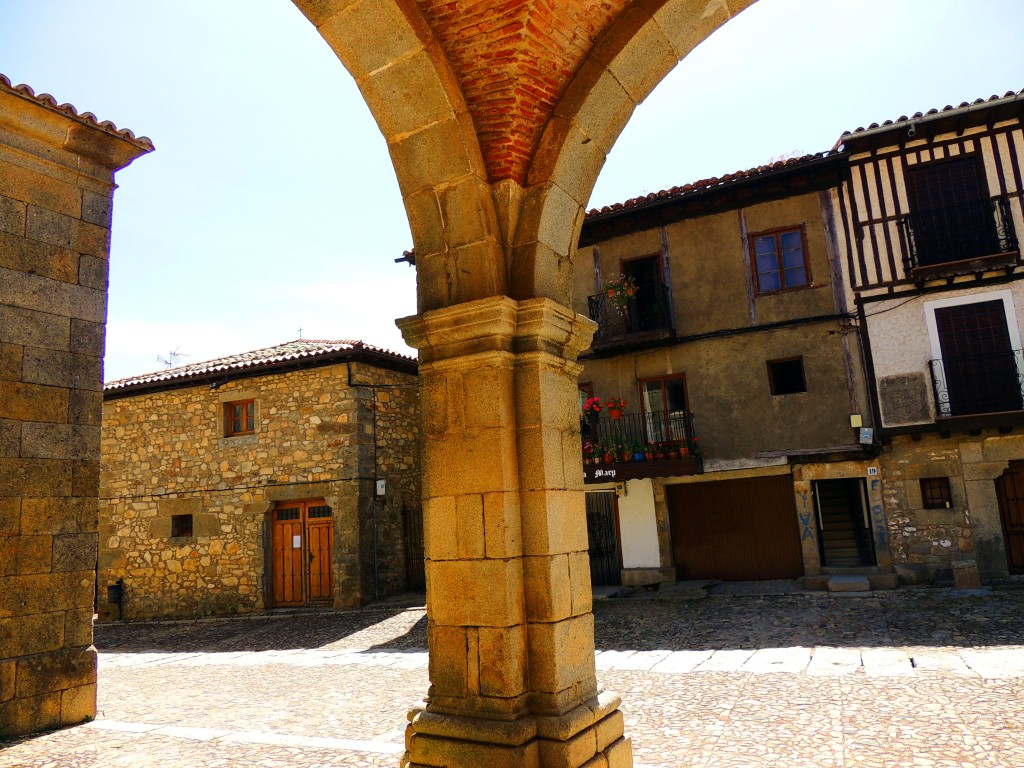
(320, 534)
(286, 560)
(977, 358)
(735, 530)
(1010, 493)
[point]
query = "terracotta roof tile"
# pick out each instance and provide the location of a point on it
(300, 349)
(934, 111)
(705, 184)
(46, 100)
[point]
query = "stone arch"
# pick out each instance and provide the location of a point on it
(641, 47)
(414, 96)
(476, 237)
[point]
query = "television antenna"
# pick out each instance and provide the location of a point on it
(172, 359)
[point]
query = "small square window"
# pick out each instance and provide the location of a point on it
(936, 493)
(240, 418)
(786, 377)
(181, 526)
(779, 261)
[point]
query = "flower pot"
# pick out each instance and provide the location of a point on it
(638, 456)
(626, 456)
(615, 413)
(673, 454)
(609, 458)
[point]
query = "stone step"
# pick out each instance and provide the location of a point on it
(849, 584)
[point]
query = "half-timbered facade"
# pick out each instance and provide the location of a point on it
(286, 476)
(929, 219)
(724, 324)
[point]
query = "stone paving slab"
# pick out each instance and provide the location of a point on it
(926, 679)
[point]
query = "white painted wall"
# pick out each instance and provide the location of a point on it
(638, 526)
(899, 331)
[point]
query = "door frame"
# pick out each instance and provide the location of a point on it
(1016, 466)
(305, 523)
(1006, 296)
(617, 565)
(865, 509)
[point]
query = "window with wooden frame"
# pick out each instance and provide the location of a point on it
(786, 377)
(239, 418)
(779, 260)
(663, 401)
(585, 391)
(936, 493)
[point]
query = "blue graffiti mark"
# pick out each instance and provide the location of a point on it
(805, 521)
(881, 529)
(874, 485)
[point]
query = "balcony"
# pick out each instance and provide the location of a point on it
(647, 318)
(967, 237)
(974, 385)
(653, 444)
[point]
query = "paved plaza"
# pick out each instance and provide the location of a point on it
(907, 679)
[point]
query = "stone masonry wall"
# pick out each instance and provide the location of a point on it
(165, 454)
(925, 542)
(391, 411)
(56, 182)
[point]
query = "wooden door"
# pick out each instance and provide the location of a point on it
(320, 544)
(951, 210)
(286, 555)
(978, 361)
(1010, 492)
(301, 545)
(646, 309)
(735, 530)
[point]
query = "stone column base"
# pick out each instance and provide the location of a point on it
(589, 736)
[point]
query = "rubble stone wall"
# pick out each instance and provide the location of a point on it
(165, 453)
(929, 540)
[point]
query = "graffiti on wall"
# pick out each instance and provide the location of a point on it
(805, 515)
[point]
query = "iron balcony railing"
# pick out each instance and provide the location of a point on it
(649, 310)
(978, 384)
(959, 232)
(657, 432)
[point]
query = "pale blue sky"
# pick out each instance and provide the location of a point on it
(270, 203)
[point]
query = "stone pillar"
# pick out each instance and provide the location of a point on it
(508, 577)
(56, 181)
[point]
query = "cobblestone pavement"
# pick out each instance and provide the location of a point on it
(910, 679)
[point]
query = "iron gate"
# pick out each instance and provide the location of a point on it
(603, 539)
(415, 577)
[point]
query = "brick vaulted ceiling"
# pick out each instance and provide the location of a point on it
(514, 59)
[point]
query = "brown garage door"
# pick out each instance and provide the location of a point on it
(735, 530)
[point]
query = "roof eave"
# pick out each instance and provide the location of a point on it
(379, 359)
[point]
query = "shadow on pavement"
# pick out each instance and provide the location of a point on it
(263, 632)
(928, 617)
(665, 620)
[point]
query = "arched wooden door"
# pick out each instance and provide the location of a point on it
(301, 543)
(1010, 492)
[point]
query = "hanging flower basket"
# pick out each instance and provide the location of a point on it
(619, 292)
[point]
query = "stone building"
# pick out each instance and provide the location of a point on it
(928, 224)
(279, 477)
(742, 372)
(498, 118)
(56, 182)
